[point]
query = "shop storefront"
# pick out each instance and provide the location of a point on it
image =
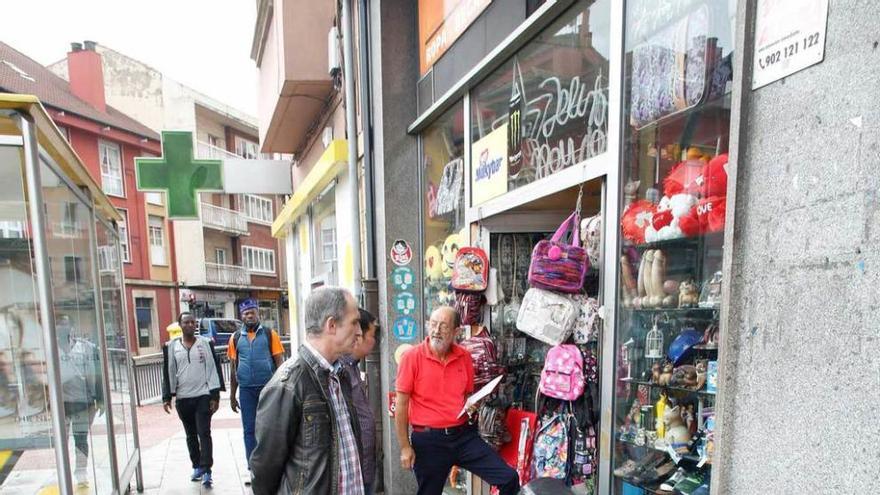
(65, 351)
(617, 117)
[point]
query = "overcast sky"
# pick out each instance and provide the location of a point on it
(205, 44)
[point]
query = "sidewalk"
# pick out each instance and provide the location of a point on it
(166, 461)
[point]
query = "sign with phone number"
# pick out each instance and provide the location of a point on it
(789, 37)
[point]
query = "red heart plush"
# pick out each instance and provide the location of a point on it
(683, 178)
(637, 216)
(711, 212)
(662, 219)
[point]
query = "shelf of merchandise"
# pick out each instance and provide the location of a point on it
(667, 387)
(707, 312)
(682, 242)
(720, 103)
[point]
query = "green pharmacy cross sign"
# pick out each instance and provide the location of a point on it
(179, 175)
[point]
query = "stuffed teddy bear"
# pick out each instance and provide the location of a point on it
(666, 375)
(688, 296)
(684, 377)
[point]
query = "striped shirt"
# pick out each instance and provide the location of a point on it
(351, 481)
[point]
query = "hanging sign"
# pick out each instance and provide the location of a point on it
(404, 328)
(789, 37)
(401, 253)
(489, 170)
(402, 278)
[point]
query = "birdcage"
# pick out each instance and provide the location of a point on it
(654, 343)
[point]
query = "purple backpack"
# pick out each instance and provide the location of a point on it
(558, 266)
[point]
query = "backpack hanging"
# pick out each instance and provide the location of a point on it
(482, 349)
(550, 453)
(563, 373)
(470, 271)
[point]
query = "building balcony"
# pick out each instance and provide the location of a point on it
(227, 274)
(224, 219)
(293, 82)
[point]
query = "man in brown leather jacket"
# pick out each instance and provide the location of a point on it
(308, 437)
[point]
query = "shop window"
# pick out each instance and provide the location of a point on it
(259, 260)
(549, 101)
(443, 188)
(123, 235)
(268, 310)
(111, 168)
(677, 120)
(143, 309)
(157, 240)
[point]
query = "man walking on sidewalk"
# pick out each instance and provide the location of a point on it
(368, 336)
(308, 436)
(253, 356)
(191, 372)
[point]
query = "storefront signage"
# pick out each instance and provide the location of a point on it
(789, 37)
(401, 253)
(402, 278)
(405, 328)
(405, 302)
(489, 170)
(441, 22)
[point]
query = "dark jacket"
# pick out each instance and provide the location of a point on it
(297, 449)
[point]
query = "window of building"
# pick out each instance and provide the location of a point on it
(68, 223)
(220, 256)
(258, 260)
(268, 310)
(246, 148)
(111, 168)
(123, 236)
(143, 309)
(107, 259)
(328, 239)
(213, 140)
(256, 207)
(323, 237)
(11, 229)
(72, 268)
(157, 240)
(154, 198)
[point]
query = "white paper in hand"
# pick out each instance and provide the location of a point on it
(480, 394)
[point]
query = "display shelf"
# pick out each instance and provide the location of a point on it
(720, 103)
(667, 387)
(681, 242)
(703, 347)
(674, 311)
(690, 458)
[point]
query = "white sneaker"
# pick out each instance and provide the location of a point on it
(669, 484)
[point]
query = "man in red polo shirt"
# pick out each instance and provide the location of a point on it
(433, 382)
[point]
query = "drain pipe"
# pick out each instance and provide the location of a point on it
(351, 131)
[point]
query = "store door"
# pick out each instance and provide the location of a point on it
(509, 239)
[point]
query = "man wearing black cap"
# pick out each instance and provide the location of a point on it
(254, 356)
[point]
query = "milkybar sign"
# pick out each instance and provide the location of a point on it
(489, 166)
(441, 22)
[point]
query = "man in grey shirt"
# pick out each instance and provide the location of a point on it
(366, 340)
(191, 371)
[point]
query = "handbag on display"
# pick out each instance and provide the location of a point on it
(559, 266)
(449, 192)
(546, 316)
(563, 374)
(591, 235)
(470, 271)
(469, 306)
(588, 324)
(484, 354)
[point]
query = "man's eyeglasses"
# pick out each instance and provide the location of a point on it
(438, 325)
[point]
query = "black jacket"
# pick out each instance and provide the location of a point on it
(296, 430)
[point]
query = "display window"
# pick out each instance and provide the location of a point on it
(676, 113)
(443, 177)
(550, 99)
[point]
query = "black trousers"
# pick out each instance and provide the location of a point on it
(437, 452)
(195, 413)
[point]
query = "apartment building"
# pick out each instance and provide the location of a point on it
(228, 254)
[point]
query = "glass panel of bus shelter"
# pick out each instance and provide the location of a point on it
(676, 117)
(68, 222)
(116, 338)
(551, 98)
(25, 420)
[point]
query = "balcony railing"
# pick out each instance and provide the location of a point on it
(227, 274)
(207, 151)
(224, 219)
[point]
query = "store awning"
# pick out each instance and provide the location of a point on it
(331, 164)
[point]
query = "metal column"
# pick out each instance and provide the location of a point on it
(351, 131)
(47, 304)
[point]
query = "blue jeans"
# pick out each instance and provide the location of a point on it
(248, 397)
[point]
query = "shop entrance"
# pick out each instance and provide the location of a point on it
(509, 239)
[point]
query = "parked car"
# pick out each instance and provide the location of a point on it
(219, 329)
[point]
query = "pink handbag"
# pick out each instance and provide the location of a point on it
(558, 266)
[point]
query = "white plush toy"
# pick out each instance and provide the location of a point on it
(665, 222)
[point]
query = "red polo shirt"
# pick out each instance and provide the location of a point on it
(437, 390)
